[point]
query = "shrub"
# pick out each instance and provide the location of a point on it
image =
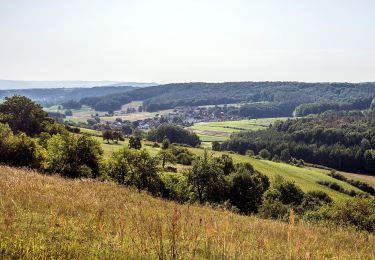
(73, 156)
(183, 155)
(176, 187)
(315, 199)
(274, 210)
(246, 188)
(356, 212)
(250, 153)
(264, 154)
(282, 196)
(136, 168)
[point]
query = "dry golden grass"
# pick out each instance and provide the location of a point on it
(50, 217)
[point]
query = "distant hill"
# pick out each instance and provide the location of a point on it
(52, 96)
(198, 93)
(18, 84)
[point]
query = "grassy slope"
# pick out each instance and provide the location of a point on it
(220, 131)
(50, 217)
(303, 177)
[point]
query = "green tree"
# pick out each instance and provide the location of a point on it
(285, 155)
(135, 168)
(165, 144)
(117, 135)
(166, 156)
(23, 115)
(247, 187)
(135, 143)
(207, 179)
(108, 135)
(226, 163)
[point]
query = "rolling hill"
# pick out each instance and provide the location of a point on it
(281, 95)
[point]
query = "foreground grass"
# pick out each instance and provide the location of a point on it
(50, 217)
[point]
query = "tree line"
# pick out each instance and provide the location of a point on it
(340, 140)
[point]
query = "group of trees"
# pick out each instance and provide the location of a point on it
(339, 105)
(30, 138)
(106, 103)
(71, 104)
(267, 109)
(340, 140)
(174, 133)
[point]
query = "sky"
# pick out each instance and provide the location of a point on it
(188, 40)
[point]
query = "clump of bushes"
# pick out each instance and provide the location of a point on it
(337, 187)
(359, 184)
(284, 196)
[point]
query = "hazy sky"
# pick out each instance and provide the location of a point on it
(179, 41)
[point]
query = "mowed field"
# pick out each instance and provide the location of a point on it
(221, 131)
(49, 217)
(305, 178)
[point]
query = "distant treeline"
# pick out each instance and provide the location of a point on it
(266, 99)
(347, 104)
(341, 140)
(108, 102)
(54, 96)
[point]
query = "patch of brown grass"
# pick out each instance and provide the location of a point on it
(51, 217)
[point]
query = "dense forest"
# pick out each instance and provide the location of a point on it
(265, 98)
(108, 102)
(341, 140)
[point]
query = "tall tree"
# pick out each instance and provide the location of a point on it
(23, 115)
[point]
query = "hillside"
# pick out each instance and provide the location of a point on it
(51, 217)
(306, 178)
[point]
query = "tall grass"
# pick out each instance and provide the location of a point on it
(50, 217)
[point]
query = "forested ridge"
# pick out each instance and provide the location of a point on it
(281, 98)
(53, 96)
(341, 140)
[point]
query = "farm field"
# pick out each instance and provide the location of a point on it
(305, 178)
(220, 131)
(49, 217)
(81, 115)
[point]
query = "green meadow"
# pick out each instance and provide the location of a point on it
(220, 131)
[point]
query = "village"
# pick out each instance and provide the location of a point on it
(183, 116)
